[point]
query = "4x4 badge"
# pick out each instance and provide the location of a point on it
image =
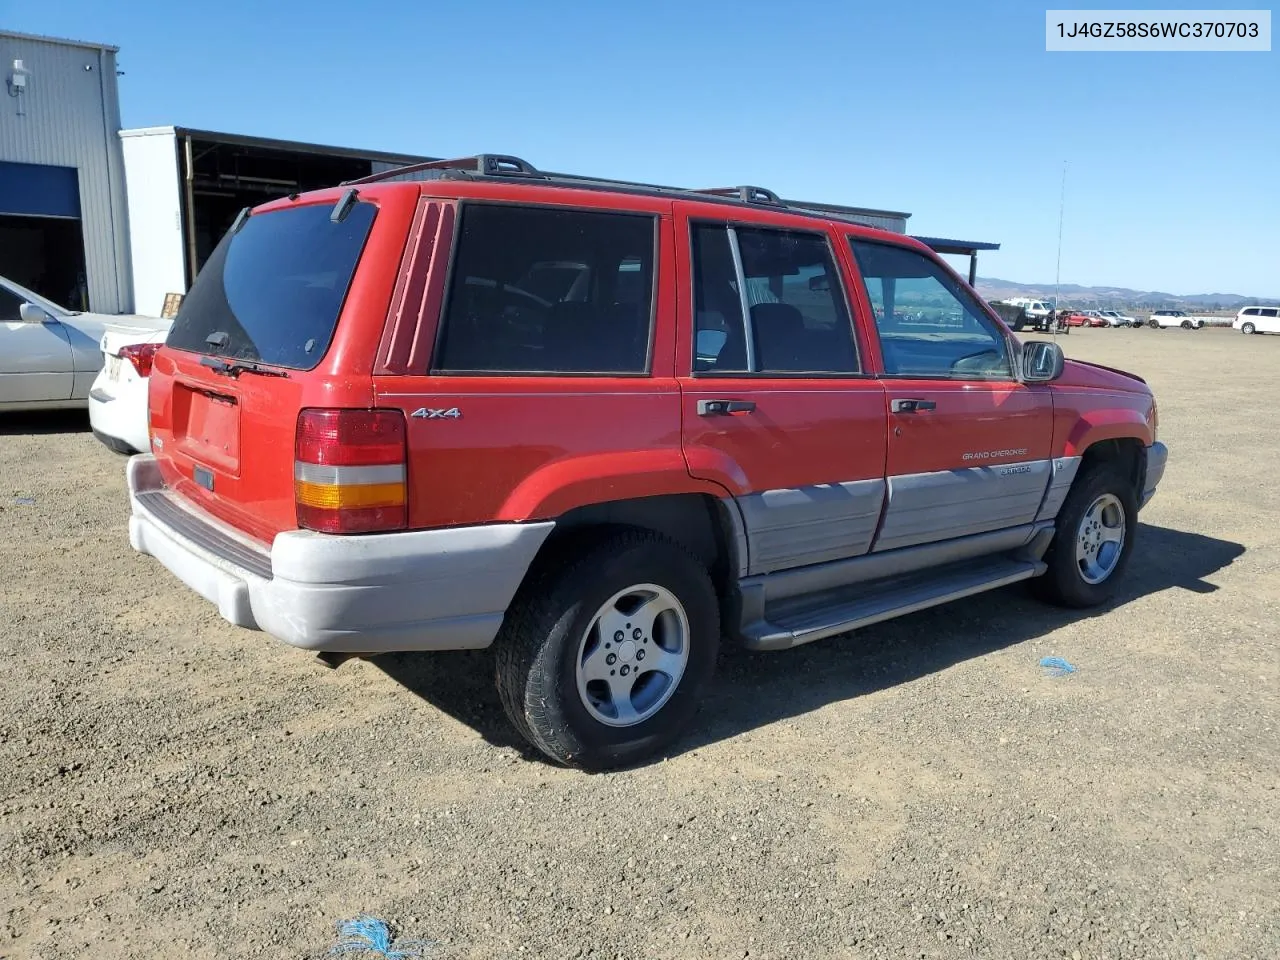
(433, 413)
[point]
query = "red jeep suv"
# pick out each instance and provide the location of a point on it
(598, 425)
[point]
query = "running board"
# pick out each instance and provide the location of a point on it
(825, 615)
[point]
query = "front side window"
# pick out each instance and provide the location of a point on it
(929, 325)
(1269, 313)
(549, 290)
(768, 301)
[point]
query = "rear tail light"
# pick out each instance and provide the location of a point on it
(141, 355)
(349, 471)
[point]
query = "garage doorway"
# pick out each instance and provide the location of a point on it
(45, 254)
(41, 240)
(224, 176)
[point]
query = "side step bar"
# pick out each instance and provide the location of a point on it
(834, 612)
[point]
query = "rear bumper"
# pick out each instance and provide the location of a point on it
(416, 590)
(1157, 457)
(119, 410)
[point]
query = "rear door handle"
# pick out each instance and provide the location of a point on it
(720, 408)
(911, 405)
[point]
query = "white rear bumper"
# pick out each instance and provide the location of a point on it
(118, 408)
(377, 593)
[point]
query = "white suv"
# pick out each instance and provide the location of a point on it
(1174, 318)
(1258, 320)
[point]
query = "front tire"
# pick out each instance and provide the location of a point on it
(603, 655)
(1186, 324)
(1095, 535)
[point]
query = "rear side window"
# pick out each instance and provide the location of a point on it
(273, 291)
(786, 284)
(549, 290)
(929, 325)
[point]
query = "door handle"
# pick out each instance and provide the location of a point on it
(911, 406)
(719, 408)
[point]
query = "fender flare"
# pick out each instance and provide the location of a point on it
(572, 482)
(1100, 425)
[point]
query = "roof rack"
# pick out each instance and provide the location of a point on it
(746, 193)
(482, 164)
(506, 166)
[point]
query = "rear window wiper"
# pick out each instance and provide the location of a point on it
(233, 368)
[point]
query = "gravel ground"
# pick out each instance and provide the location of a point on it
(171, 786)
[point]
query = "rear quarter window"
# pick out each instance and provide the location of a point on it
(549, 290)
(272, 292)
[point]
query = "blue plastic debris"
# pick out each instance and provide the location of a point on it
(1056, 666)
(369, 935)
(24, 501)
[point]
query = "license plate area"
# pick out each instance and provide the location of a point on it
(113, 368)
(206, 427)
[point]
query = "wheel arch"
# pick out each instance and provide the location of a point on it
(709, 528)
(1126, 454)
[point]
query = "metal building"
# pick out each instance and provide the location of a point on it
(62, 192)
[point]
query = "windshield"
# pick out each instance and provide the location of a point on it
(32, 297)
(272, 292)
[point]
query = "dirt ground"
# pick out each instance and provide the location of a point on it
(172, 786)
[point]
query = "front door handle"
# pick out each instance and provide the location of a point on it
(911, 405)
(719, 408)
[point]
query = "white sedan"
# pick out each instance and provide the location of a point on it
(118, 400)
(1118, 319)
(50, 356)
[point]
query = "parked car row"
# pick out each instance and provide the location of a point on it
(1022, 313)
(52, 358)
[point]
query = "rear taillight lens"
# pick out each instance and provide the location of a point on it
(349, 471)
(141, 355)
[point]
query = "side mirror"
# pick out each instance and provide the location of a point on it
(30, 313)
(1042, 361)
(820, 283)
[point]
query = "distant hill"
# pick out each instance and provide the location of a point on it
(1108, 298)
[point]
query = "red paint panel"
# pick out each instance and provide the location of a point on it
(527, 448)
(971, 425)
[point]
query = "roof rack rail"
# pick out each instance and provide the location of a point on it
(482, 164)
(745, 193)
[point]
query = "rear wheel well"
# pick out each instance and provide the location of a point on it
(1124, 454)
(699, 523)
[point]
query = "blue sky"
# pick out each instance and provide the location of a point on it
(951, 111)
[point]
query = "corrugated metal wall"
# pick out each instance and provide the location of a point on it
(70, 116)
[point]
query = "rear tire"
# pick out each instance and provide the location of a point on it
(1153, 324)
(1085, 560)
(552, 674)
(1248, 328)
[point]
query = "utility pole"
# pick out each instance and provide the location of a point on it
(1057, 277)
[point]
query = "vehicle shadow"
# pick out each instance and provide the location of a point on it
(756, 689)
(44, 422)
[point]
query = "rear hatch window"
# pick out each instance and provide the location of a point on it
(272, 291)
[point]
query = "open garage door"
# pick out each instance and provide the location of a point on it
(222, 176)
(41, 242)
